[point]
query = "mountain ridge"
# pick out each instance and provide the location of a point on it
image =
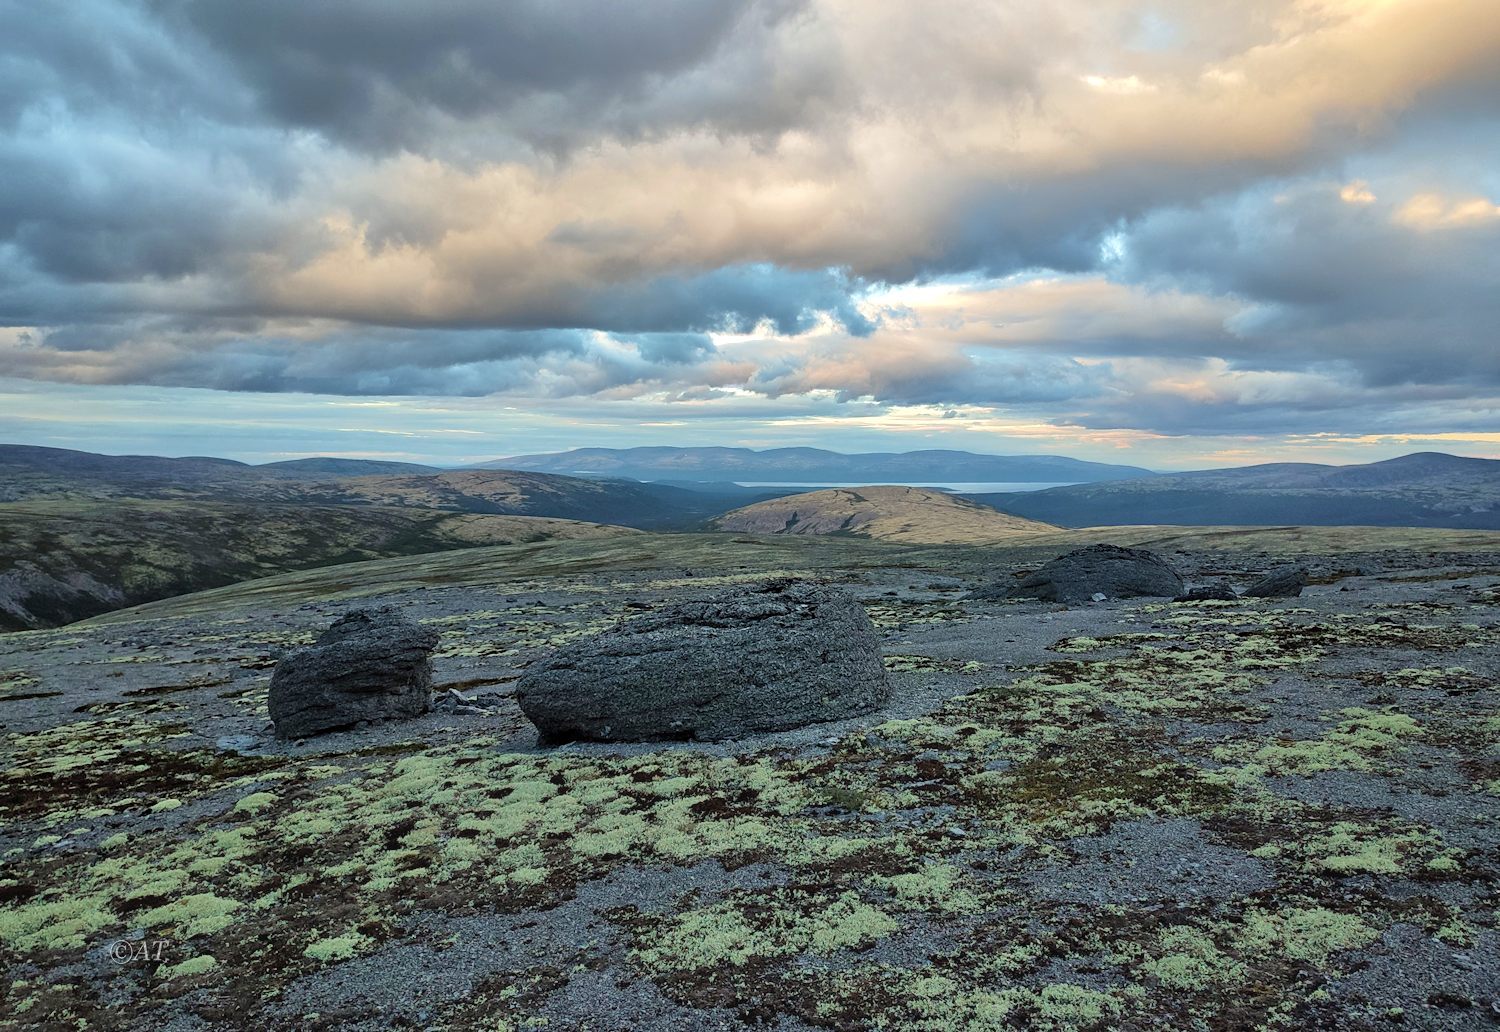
(813, 465)
(1421, 489)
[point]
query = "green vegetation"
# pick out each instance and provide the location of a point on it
(88, 557)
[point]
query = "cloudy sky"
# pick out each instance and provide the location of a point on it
(1171, 233)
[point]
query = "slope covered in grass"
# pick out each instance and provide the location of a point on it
(63, 561)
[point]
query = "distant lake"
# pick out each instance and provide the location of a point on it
(954, 486)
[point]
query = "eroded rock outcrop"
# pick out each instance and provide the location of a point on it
(770, 657)
(1108, 570)
(370, 665)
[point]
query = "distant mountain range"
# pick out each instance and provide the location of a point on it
(1425, 489)
(81, 533)
(59, 462)
(816, 466)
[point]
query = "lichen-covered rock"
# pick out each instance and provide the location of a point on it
(1218, 592)
(770, 657)
(370, 665)
(1284, 582)
(1107, 570)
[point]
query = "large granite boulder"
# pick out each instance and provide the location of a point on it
(769, 657)
(1283, 582)
(370, 665)
(1107, 570)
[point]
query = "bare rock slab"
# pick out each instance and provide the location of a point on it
(371, 665)
(771, 657)
(1108, 570)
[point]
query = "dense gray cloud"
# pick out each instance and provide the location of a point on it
(371, 361)
(1395, 294)
(397, 76)
(1163, 216)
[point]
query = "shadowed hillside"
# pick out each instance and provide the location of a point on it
(907, 514)
(53, 473)
(82, 533)
(62, 561)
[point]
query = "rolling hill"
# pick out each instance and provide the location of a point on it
(815, 466)
(63, 561)
(500, 492)
(323, 466)
(82, 533)
(1426, 489)
(910, 515)
(30, 474)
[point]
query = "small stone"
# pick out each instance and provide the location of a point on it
(1099, 596)
(237, 743)
(957, 833)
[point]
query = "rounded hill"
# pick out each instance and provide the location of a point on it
(913, 515)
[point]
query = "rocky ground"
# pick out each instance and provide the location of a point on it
(1220, 815)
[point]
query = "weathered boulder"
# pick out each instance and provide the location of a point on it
(1283, 582)
(769, 657)
(1107, 570)
(1219, 592)
(370, 665)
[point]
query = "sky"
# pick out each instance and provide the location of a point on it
(1169, 233)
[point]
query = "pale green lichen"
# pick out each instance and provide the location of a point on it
(201, 913)
(338, 947)
(763, 928)
(192, 966)
(52, 924)
(1305, 933)
(1361, 738)
(937, 886)
(1190, 960)
(255, 802)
